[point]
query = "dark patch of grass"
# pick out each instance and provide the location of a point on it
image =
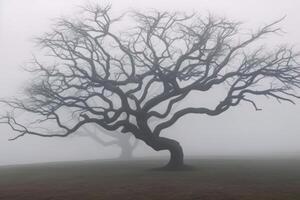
(207, 179)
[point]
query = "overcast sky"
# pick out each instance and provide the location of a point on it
(239, 131)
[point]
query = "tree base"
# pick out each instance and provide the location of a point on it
(175, 168)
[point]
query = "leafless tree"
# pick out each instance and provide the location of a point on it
(125, 142)
(139, 74)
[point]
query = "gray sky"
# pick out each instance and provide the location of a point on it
(239, 131)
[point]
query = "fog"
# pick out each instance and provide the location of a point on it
(239, 131)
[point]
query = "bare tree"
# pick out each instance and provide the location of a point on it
(124, 141)
(141, 73)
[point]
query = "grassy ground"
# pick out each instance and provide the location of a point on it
(212, 179)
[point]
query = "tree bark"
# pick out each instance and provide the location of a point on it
(176, 153)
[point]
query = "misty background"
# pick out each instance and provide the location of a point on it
(240, 131)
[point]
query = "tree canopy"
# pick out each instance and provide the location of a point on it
(130, 76)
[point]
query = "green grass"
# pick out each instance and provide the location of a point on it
(212, 179)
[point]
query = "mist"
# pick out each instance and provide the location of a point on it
(240, 131)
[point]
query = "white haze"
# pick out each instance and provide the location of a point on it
(240, 131)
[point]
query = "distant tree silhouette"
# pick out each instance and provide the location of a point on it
(137, 75)
(123, 141)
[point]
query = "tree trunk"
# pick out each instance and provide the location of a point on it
(126, 151)
(175, 149)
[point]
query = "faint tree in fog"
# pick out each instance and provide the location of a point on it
(138, 74)
(124, 141)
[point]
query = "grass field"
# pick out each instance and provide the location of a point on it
(212, 179)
